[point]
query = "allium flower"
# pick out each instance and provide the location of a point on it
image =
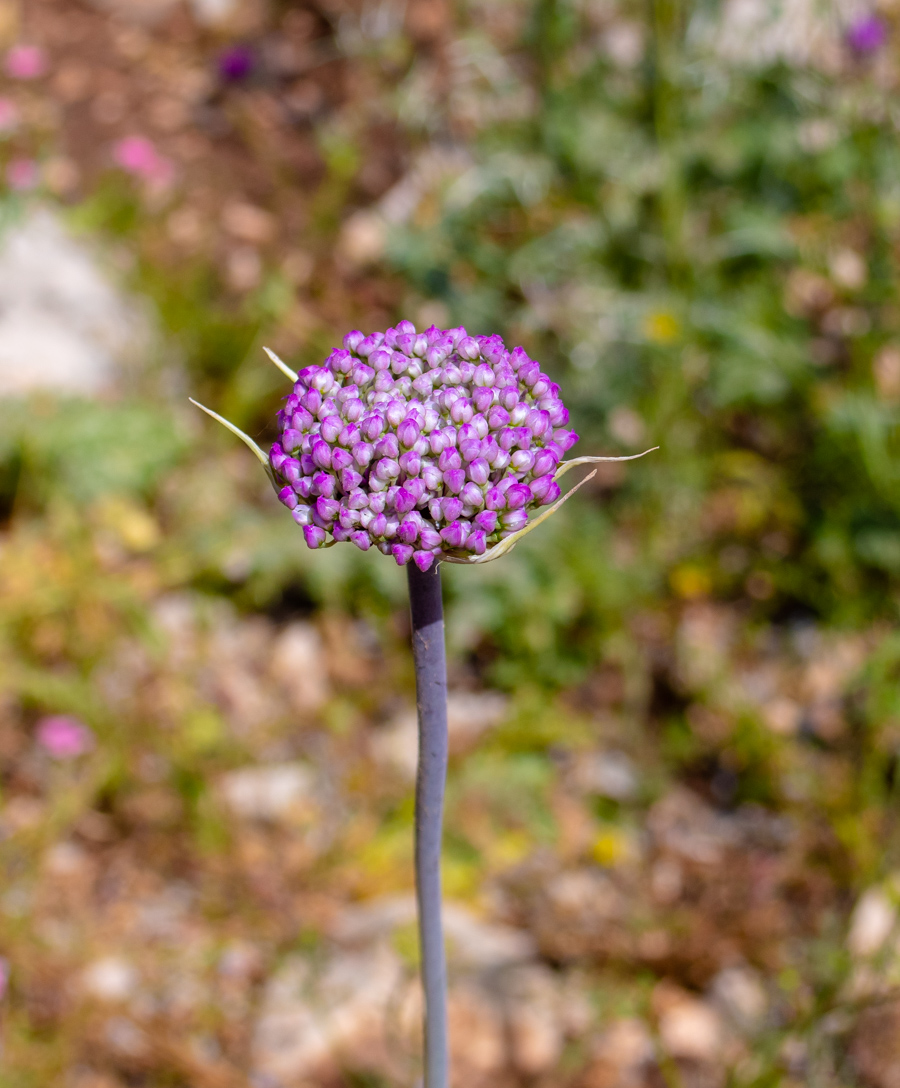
(867, 34)
(236, 63)
(63, 737)
(427, 446)
(26, 62)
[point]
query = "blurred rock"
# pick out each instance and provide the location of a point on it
(608, 774)
(535, 1021)
(875, 1045)
(688, 1027)
(111, 979)
(314, 1022)
(477, 1035)
(873, 919)
(469, 716)
(739, 994)
(276, 792)
(298, 664)
(620, 1057)
(63, 326)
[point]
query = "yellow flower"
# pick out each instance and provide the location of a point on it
(661, 327)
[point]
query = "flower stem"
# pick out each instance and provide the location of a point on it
(427, 611)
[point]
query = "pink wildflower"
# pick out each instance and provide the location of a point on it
(22, 175)
(63, 737)
(26, 62)
(138, 156)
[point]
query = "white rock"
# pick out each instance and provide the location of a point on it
(274, 791)
(63, 326)
(298, 664)
(691, 1029)
(740, 994)
(111, 979)
(609, 774)
(309, 1019)
(873, 919)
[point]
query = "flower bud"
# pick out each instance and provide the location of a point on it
(302, 515)
(509, 397)
(423, 560)
(487, 521)
(522, 461)
(494, 499)
(290, 441)
(454, 535)
(479, 471)
(402, 553)
(565, 439)
(454, 479)
(429, 538)
(432, 477)
(386, 469)
(288, 497)
(404, 501)
(324, 484)
(314, 536)
(482, 398)
(361, 539)
(517, 496)
(350, 480)
(451, 508)
(357, 499)
(340, 459)
(472, 495)
(353, 339)
(469, 348)
(408, 533)
(408, 433)
(476, 542)
(377, 526)
(362, 454)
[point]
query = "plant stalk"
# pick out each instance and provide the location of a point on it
(426, 607)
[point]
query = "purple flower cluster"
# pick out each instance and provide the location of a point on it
(425, 445)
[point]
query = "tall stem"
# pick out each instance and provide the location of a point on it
(427, 611)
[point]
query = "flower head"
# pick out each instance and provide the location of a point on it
(63, 737)
(26, 62)
(426, 445)
(867, 34)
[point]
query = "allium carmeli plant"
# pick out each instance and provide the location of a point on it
(431, 447)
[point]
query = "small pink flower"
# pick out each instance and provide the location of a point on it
(22, 175)
(63, 737)
(138, 156)
(9, 116)
(26, 62)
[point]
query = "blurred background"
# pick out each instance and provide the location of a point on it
(672, 853)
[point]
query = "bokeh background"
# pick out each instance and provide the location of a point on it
(672, 850)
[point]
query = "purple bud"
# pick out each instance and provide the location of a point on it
(482, 398)
(462, 410)
(479, 471)
(291, 470)
(353, 410)
(362, 374)
(508, 438)
(545, 490)
(331, 428)
(558, 415)
(509, 397)
(408, 433)
(302, 515)
(372, 428)
(454, 479)
(340, 361)
(517, 496)
(314, 536)
(454, 535)
(405, 328)
(340, 459)
(423, 560)
(307, 465)
(350, 479)
(494, 499)
(380, 359)
(347, 518)
(288, 497)
(388, 446)
(312, 401)
(324, 484)
(429, 538)
(301, 420)
(451, 508)
(357, 499)
(565, 439)
(353, 339)
(327, 509)
(361, 539)
(404, 501)
(416, 488)
(529, 373)
(522, 461)
(432, 477)
(277, 456)
(321, 454)
(449, 459)
(486, 521)
(349, 436)
(469, 348)
(408, 533)
(514, 520)
(290, 441)
(497, 418)
(476, 542)
(542, 386)
(519, 414)
(472, 495)
(362, 454)
(304, 487)
(377, 525)
(410, 463)
(437, 442)
(402, 553)
(386, 469)
(377, 503)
